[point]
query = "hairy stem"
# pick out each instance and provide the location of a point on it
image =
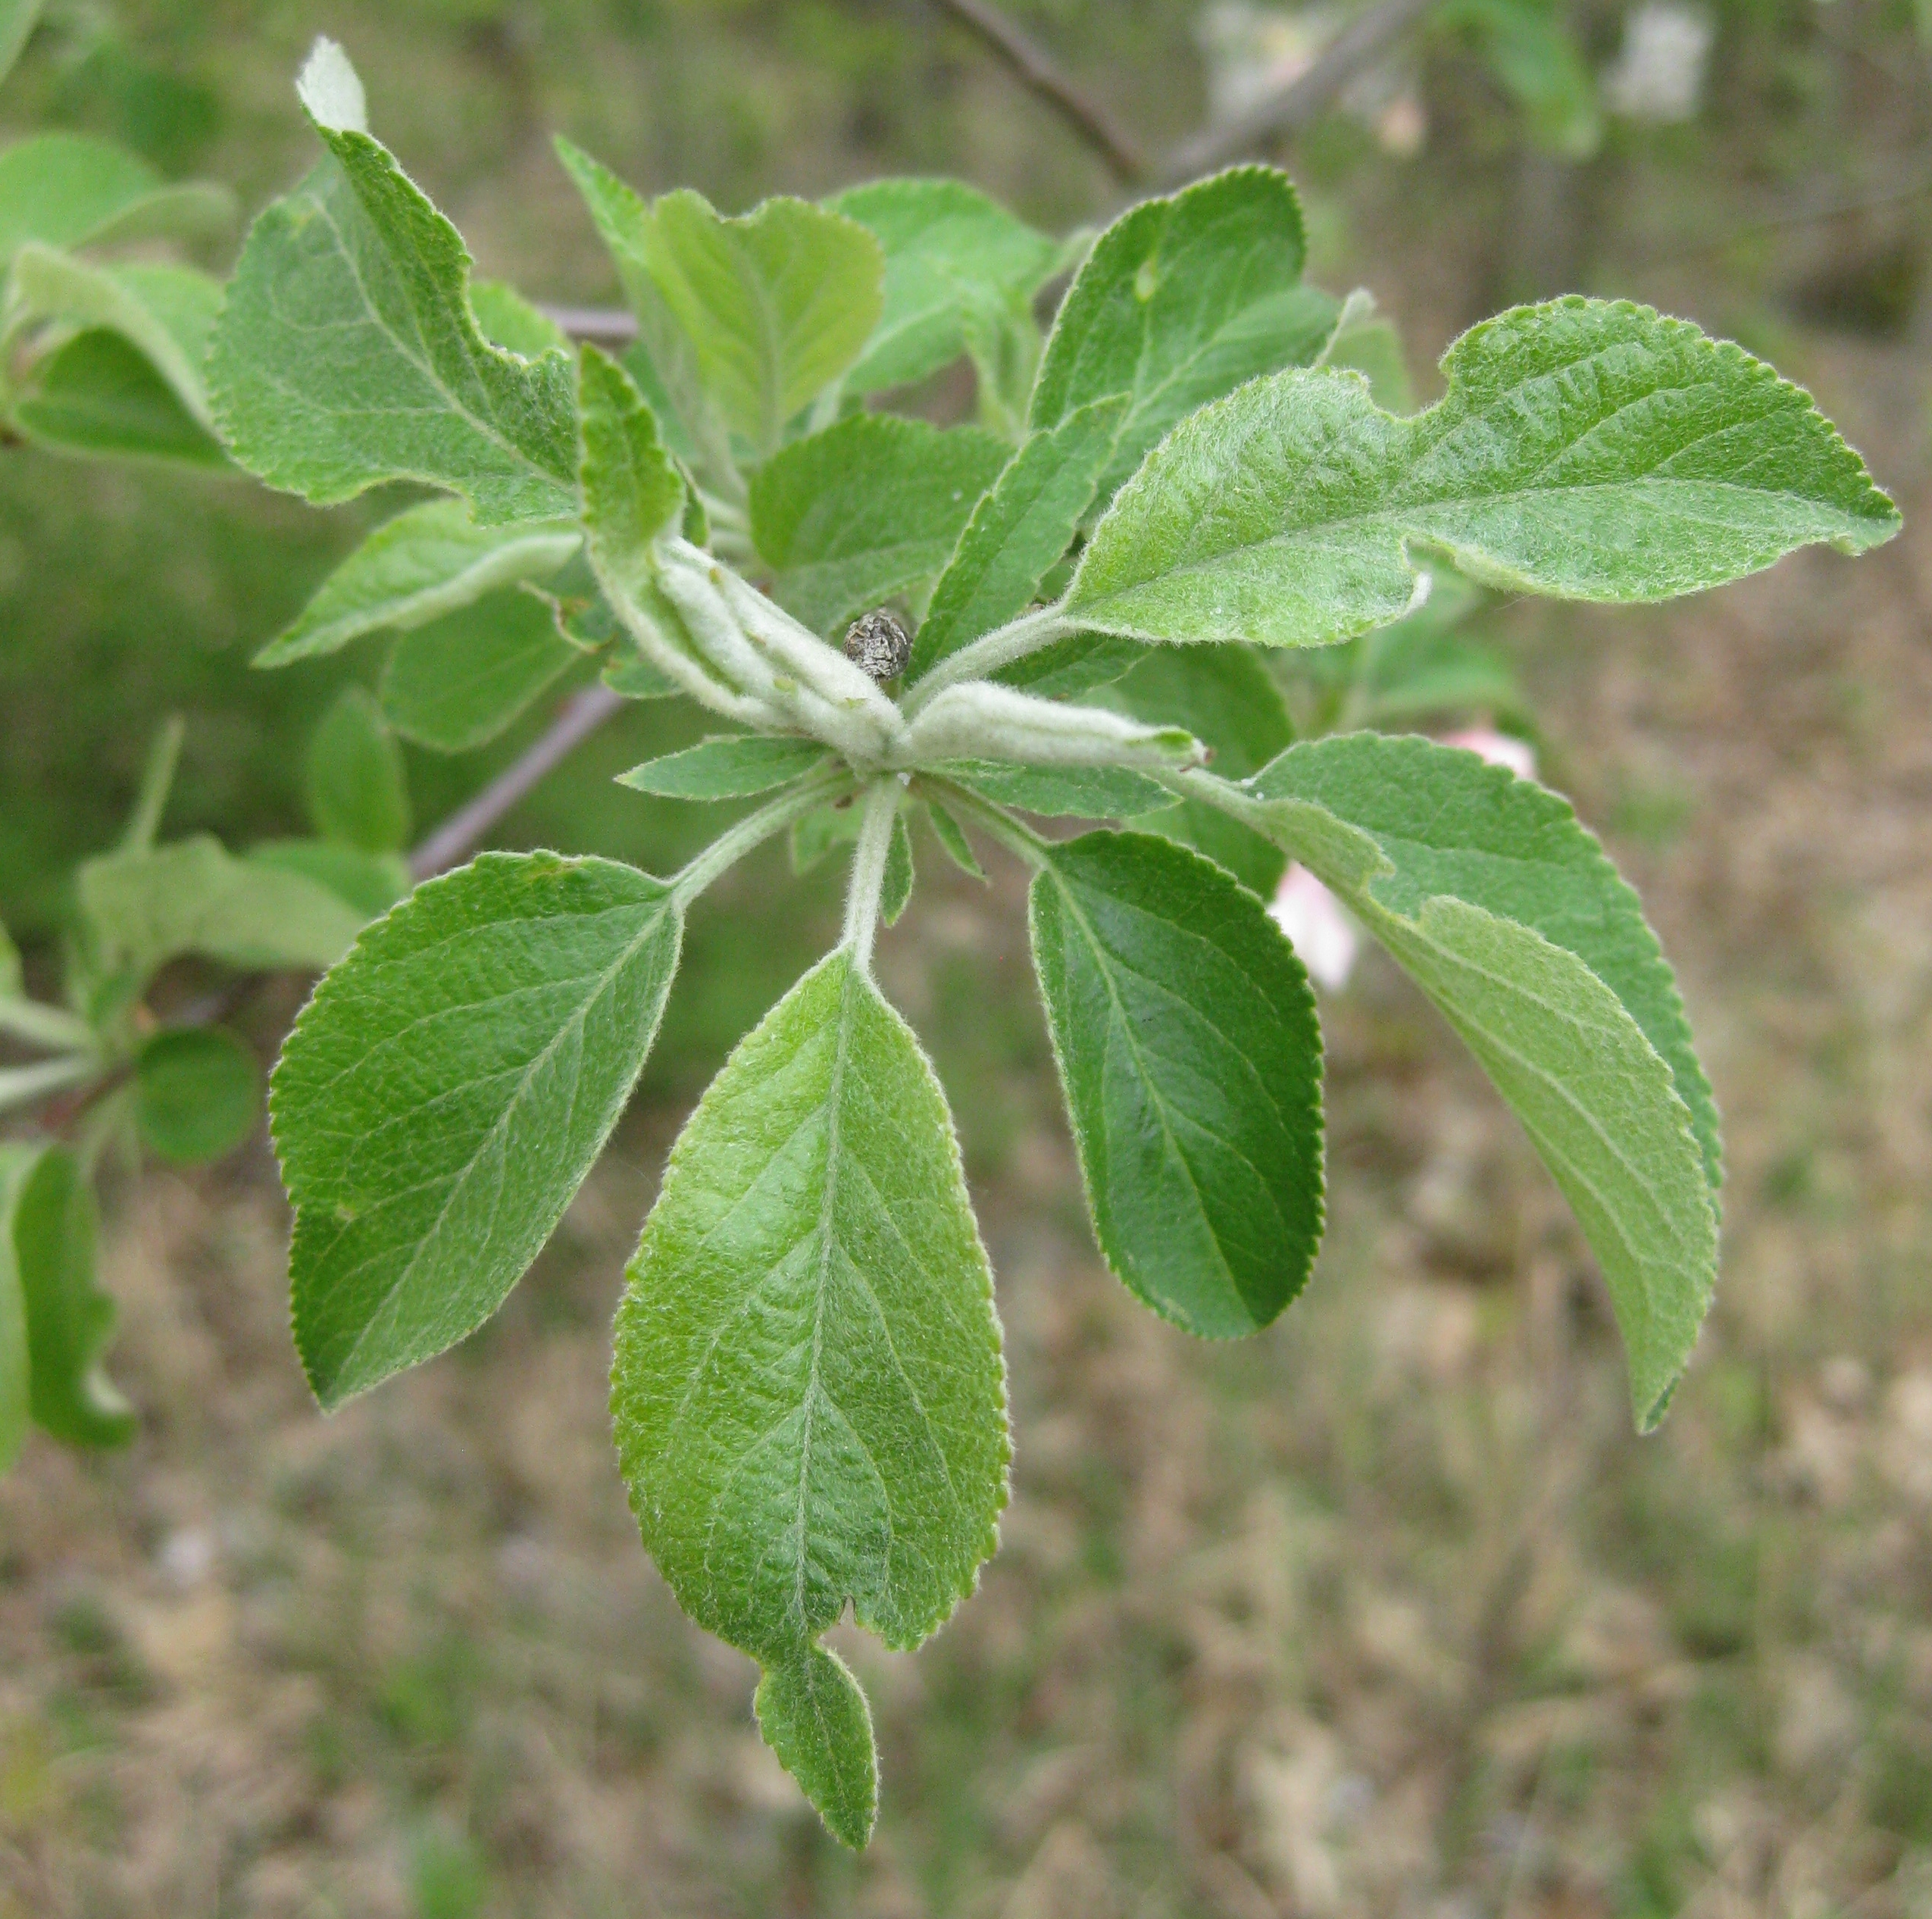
(986, 655)
(868, 869)
(731, 845)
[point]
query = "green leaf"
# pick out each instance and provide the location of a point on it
(869, 509)
(663, 362)
(1225, 697)
(1186, 1036)
(633, 494)
(69, 1318)
(97, 396)
(729, 768)
(1018, 531)
(808, 1396)
(896, 888)
(357, 793)
(428, 561)
(1586, 448)
(1079, 792)
(775, 304)
(1502, 907)
(1181, 300)
(17, 19)
(166, 313)
(348, 353)
(458, 681)
(1073, 667)
(952, 836)
(66, 190)
(197, 1094)
(955, 262)
(371, 883)
(1447, 823)
(12, 979)
(144, 908)
(445, 1092)
(16, 1373)
(512, 321)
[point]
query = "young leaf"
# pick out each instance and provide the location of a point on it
(807, 1393)
(1181, 300)
(776, 303)
(1017, 531)
(197, 1094)
(952, 836)
(866, 510)
(166, 313)
(1445, 822)
(144, 908)
(356, 789)
(1078, 793)
(1586, 448)
(445, 1091)
(458, 681)
(954, 261)
(99, 397)
(15, 1375)
(896, 888)
(1185, 1033)
(66, 190)
(69, 1318)
(347, 354)
(730, 768)
(429, 560)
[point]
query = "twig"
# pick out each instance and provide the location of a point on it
(602, 326)
(458, 837)
(1038, 71)
(1362, 41)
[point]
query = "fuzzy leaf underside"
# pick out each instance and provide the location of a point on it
(347, 354)
(1185, 1033)
(429, 560)
(808, 1395)
(866, 510)
(445, 1092)
(1471, 878)
(1182, 300)
(1586, 448)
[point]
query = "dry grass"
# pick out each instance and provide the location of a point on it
(1386, 1612)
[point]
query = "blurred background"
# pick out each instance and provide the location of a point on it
(1386, 1611)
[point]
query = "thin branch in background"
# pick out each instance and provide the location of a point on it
(463, 832)
(1038, 71)
(1360, 44)
(601, 326)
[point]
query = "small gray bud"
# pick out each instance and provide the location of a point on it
(878, 646)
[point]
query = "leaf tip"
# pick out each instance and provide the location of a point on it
(330, 89)
(814, 1717)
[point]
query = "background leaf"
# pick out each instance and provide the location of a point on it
(444, 1093)
(1182, 300)
(69, 1318)
(807, 1393)
(16, 1374)
(70, 190)
(458, 681)
(955, 261)
(197, 1094)
(98, 395)
(356, 789)
(1185, 1033)
(866, 510)
(1586, 448)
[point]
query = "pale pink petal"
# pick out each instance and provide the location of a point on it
(1321, 932)
(1498, 748)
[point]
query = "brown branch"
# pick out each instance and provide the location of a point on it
(459, 836)
(601, 326)
(1037, 70)
(1360, 44)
